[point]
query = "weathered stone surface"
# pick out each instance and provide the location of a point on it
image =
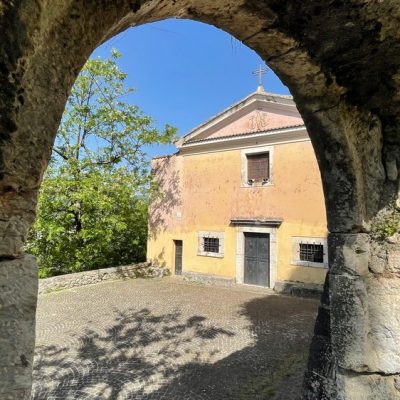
(140, 270)
(383, 335)
(349, 253)
(398, 197)
(362, 344)
(17, 212)
(16, 394)
(365, 307)
(13, 234)
(391, 170)
(18, 296)
(378, 260)
(320, 378)
(370, 387)
(349, 321)
(350, 175)
(207, 279)
(394, 239)
(393, 258)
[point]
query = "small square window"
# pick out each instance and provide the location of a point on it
(312, 252)
(309, 252)
(211, 244)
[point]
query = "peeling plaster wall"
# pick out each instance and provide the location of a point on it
(212, 193)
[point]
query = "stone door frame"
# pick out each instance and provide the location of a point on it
(273, 246)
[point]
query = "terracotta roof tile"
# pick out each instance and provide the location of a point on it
(242, 134)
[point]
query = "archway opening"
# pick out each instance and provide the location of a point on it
(270, 124)
(330, 57)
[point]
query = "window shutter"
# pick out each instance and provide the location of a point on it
(258, 167)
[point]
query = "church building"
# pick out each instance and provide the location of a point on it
(241, 199)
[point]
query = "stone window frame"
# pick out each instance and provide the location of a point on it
(256, 150)
(210, 234)
(297, 240)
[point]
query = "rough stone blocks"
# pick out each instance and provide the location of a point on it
(365, 309)
(369, 387)
(18, 297)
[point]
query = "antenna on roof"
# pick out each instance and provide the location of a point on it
(260, 72)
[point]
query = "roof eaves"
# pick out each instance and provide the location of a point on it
(165, 156)
(244, 134)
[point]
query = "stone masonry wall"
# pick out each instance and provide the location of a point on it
(141, 270)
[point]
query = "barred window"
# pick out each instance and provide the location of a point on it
(312, 252)
(211, 245)
(258, 167)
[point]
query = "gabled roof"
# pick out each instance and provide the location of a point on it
(259, 100)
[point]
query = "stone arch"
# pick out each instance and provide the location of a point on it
(341, 63)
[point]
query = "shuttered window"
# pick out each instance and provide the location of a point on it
(258, 167)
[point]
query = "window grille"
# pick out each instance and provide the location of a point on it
(258, 167)
(312, 252)
(211, 245)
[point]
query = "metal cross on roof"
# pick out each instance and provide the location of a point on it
(260, 72)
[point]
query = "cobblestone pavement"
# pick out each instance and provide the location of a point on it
(169, 339)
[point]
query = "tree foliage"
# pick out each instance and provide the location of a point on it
(92, 209)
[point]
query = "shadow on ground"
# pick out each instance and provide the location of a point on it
(146, 356)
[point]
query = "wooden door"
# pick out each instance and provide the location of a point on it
(256, 259)
(178, 256)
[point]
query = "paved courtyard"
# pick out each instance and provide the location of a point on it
(169, 339)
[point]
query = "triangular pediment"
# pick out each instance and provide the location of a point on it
(256, 113)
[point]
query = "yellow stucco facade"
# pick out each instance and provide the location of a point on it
(205, 192)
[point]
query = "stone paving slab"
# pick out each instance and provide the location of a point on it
(153, 339)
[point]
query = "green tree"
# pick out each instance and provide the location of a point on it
(92, 209)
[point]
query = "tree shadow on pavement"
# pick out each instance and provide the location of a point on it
(146, 356)
(271, 368)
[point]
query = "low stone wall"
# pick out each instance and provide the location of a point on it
(299, 289)
(141, 270)
(207, 279)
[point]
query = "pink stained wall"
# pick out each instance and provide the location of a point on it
(207, 189)
(165, 211)
(213, 192)
(254, 121)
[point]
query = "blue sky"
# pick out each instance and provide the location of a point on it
(184, 72)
